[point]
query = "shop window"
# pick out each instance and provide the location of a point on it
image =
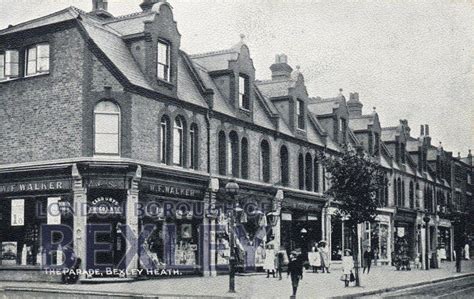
(37, 59)
(163, 61)
(308, 172)
(107, 128)
(301, 171)
(178, 141)
(222, 160)
(193, 146)
(284, 165)
(300, 114)
(244, 154)
(244, 97)
(165, 135)
(316, 175)
(379, 240)
(233, 155)
(265, 161)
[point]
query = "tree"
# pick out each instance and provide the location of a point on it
(354, 181)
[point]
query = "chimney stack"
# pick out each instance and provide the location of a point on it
(354, 105)
(422, 130)
(281, 69)
(148, 4)
(427, 130)
(99, 5)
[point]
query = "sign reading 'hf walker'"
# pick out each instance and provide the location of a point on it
(35, 186)
(172, 191)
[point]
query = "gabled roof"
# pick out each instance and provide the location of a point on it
(63, 15)
(275, 88)
(130, 24)
(326, 106)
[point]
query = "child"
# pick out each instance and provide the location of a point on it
(347, 268)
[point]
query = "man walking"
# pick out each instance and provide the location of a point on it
(295, 270)
(368, 257)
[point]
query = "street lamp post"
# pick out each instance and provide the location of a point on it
(232, 189)
(426, 219)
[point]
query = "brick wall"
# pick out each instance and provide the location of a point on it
(41, 117)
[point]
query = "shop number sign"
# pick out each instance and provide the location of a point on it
(18, 212)
(105, 205)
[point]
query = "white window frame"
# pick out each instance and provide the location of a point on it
(178, 141)
(117, 114)
(166, 65)
(164, 139)
(37, 69)
(244, 92)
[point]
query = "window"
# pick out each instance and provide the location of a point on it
(178, 141)
(265, 161)
(402, 153)
(163, 61)
(244, 152)
(193, 146)
(395, 192)
(316, 175)
(164, 139)
(377, 144)
(300, 114)
(343, 129)
(284, 165)
(399, 195)
(37, 59)
(244, 98)
(403, 194)
(412, 195)
(222, 153)
(8, 64)
(308, 172)
(107, 128)
(233, 156)
(301, 171)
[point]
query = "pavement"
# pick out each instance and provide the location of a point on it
(321, 285)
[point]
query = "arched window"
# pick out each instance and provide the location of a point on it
(244, 157)
(403, 194)
(265, 161)
(193, 146)
(301, 172)
(234, 154)
(309, 172)
(222, 153)
(385, 188)
(178, 141)
(284, 166)
(395, 193)
(165, 134)
(399, 195)
(316, 174)
(417, 197)
(107, 128)
(412, 196)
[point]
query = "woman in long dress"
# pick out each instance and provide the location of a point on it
(314, 259)
(323, 250)
(347, 267)
(269, 264)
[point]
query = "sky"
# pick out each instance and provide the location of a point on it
(410, 59)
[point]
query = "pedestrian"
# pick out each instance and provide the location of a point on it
(280, 263)
(347, 268)
(323, 251)
(270, 257)
(314, 259)
(368, 257)
(295, 270)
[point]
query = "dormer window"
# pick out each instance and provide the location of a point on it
(300, 114)
(244, 98)
(37, 59)
(163, 61)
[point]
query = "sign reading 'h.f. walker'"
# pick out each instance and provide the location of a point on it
(35, 186)
(168, 190)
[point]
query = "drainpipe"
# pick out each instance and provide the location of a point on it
(208, 128)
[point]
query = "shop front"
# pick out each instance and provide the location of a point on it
(404, 234)
(301, 227)
(339, 235)
(29, 203)
(171, 214)
(377, 235)
(445, 240)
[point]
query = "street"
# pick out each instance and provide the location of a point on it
(458, 288)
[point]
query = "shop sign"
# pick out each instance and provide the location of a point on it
(105, 206)
(18, 212)
(169, 190)
(382, 218)
(312, 217)
(285, 216)
(35, 186)
(445, 223)
(107, 183)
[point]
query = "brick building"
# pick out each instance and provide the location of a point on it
(109, 113)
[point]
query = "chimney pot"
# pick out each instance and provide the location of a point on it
(427, 130)
(422, 130)
(99, 5)
(280, 69)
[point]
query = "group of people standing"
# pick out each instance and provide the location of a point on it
(318, 258)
